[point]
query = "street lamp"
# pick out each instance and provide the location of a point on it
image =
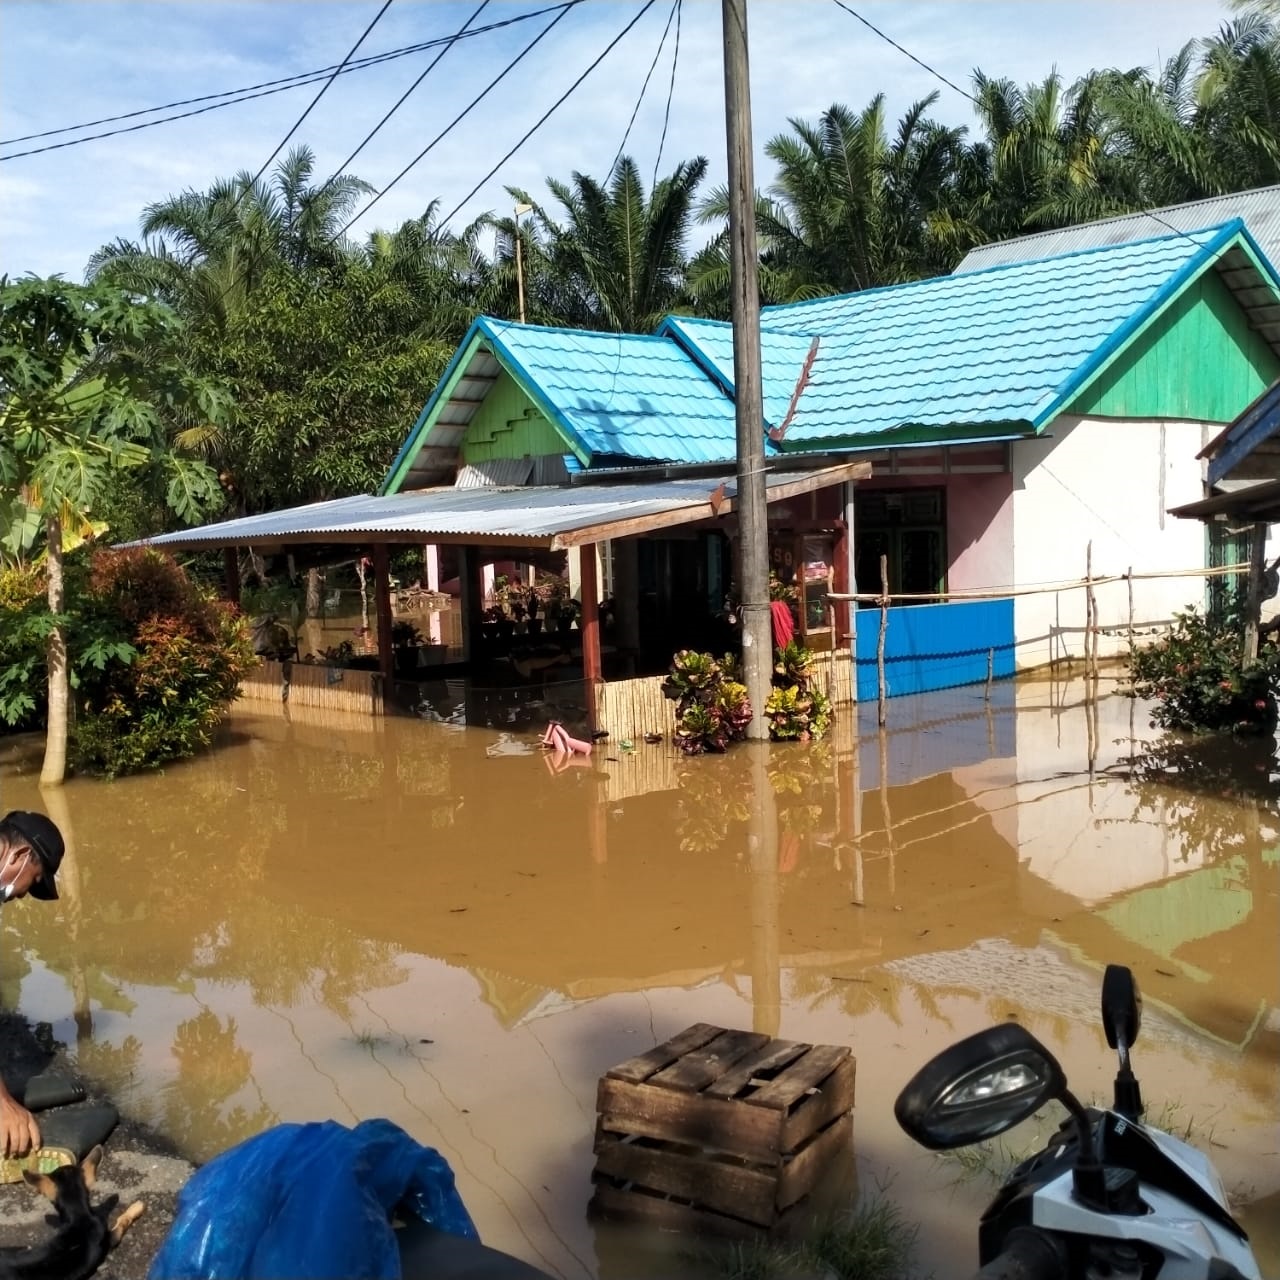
(521, 209)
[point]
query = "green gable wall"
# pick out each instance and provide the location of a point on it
(509, 425)
(1199, 360)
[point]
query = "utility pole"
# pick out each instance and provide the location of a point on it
(752, 510)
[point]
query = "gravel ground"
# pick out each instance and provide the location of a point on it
(138, 1165)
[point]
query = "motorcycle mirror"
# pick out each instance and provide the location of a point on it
(979, 1088)
(1121, 1008)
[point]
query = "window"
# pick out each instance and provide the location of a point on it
(1228, 544)
(908, 527)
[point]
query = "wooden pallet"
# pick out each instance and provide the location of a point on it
(719, 1129)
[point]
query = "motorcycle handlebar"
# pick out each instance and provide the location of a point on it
(1027, 1255)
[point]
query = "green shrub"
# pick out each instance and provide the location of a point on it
(796, 713)
(25, 623)
(712, 709)
(160, 689)
(1193, 676)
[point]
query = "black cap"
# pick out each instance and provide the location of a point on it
(46, 843)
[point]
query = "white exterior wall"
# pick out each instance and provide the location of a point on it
(1111, 482)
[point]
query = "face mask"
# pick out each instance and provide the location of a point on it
(7, 890)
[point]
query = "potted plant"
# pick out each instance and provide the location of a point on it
(405, 639)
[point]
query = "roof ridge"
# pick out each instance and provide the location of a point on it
(497, 327)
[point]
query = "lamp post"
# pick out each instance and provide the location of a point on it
(521, 209)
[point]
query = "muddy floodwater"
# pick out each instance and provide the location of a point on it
(346, 919)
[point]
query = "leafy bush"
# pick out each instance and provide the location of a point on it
(25, 623)
(1193, 676)
(712, 710)
(159, 690)
(796, 713)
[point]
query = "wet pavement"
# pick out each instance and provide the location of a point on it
(329, 918)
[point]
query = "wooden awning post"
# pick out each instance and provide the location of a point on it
(591, 665)
(231, 574)
(382, 607)
(1253, 605)
(471, 601)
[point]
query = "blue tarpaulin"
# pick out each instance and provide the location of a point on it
(308, 1202)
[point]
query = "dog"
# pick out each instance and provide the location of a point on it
(83, 1238)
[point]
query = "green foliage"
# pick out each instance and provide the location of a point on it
(1194, 677)
(87, 388)
(712, 710)
(796, 713)
(160, 687)
(25, 623)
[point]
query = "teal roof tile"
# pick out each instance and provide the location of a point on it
(1002, 346)
(621, 395)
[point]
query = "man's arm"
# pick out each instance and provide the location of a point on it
(19, 1132)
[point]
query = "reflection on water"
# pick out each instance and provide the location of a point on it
(344, 919)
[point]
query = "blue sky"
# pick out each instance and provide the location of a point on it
(63, 62)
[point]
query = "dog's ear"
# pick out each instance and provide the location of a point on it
(42, 1183)
(89, 1166)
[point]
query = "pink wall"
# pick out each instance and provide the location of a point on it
(979, 524)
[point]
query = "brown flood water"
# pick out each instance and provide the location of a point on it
(343, 920)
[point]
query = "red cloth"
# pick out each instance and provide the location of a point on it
(784, 627)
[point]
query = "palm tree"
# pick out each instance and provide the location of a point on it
(618, 262)
(850, 208)
(204, 252)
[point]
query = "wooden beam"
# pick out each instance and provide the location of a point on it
(591, 666)
(1253, 606)
(382, 606)
(231, 574)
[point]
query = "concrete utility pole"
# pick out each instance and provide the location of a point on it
(752, 510)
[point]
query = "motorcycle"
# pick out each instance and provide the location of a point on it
(1107, 1196)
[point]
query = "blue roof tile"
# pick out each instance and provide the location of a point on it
(624, 395)
(1002, 346)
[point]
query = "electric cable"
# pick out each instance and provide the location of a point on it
(546, 115)
(671, 88)
(457, 35)
(644, 88)
(506, 71)
(234, 97)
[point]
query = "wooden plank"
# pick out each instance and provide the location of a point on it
(694, 1071)
(753, 1133)
(801, 1076)
(610, 1201)
(712, 1184)
(642, 1066)
(770, 1057)
(800, 1176)
(818, 1109)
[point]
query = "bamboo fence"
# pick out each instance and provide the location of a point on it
(305, 684)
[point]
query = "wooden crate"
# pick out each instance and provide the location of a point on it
(720, 1130)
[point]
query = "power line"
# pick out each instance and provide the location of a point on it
(951, 84)
(463, 113)
(644, 88)
(671, 88)
(546, 115)
(457, 35)
(234, 97)
(377, 17)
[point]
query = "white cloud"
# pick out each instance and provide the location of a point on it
(59, 207)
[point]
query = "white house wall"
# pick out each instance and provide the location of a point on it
(1110, 482)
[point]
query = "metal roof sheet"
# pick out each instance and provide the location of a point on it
(1003, 350)
(555, 515)
(1259, 209)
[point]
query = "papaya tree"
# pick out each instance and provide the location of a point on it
(87, 389)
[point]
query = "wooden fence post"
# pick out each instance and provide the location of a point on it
(884, 625)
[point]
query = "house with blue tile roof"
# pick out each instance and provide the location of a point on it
(1017, 419)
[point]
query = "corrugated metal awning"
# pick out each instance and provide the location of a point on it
(1256, 503)
(553, 517)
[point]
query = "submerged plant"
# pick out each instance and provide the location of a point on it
(711, 710)
(796, 715)
(1195, 678)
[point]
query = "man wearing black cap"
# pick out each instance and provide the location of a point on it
(30, 853)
